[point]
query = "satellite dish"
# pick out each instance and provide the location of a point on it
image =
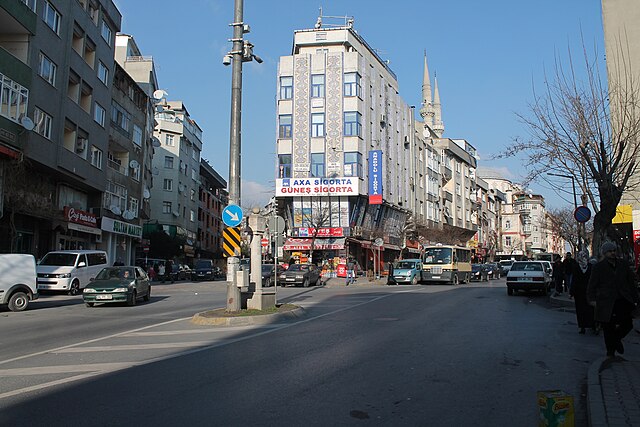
(156, 171)
(159, 94)
(127, 215)
(176, 214)
(155, 142)
(181, 188)
(115, 209)
(378, 242)
(27, 123)
(146, 193)
(133, 164)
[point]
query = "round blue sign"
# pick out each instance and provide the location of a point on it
(582, 214)
(232, 215)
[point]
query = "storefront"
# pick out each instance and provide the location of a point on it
(120, 240)
(79, 231)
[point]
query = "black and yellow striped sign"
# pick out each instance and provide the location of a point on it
(231, 241)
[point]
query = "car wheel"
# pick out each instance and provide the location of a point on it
(18, 301)
(319, 281)
(267, 283)
(414, 281)
(132, 299)
(509, 290)
(455, 280)
(305, 284)
(89, 304)
(75, 288)
(147, 297)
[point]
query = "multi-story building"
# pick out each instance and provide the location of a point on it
(174, 196)
(489, 201)
(213, 197)
(55, 61)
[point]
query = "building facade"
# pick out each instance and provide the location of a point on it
(213, 198)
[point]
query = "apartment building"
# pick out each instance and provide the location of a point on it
(55, 59)
(213, 197)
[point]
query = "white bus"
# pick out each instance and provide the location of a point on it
(446, 263)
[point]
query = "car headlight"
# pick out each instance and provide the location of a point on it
(120, 290)
(89, 291)
(407, 273)
(63, 276)
(208, 272)
(283, 276)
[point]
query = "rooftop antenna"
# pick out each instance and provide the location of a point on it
(347, 21)
(319, 21)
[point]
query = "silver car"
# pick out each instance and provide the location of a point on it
(529, 276)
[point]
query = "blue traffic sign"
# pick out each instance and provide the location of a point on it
(582, 214)
(232, 215)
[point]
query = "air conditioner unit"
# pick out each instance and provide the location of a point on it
(81, 145)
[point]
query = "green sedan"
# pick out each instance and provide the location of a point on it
(118, 284)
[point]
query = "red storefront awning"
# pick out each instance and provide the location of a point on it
(296, 244)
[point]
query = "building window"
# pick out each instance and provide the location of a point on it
(317, 125)
(284, 126)
(169, 140)
(286, 87)
(42, 123)
(168, 162)
(47, 69)
(31, 4)
(193, 195)
(167, 185)
(135, 173)
(51, 17)
(352, 84)
(507, 240)
(106, 33)
(352, 126)
(192, 215)
(317, 86)
(115, 195)
(103, 73)
(535, 239)
(96, 157)
(458, 189)
(99, 114)
(284, 162)
(507, 225)
(317, 165)
(353, 164)
(166, 207)
(137, 135)
(133, 206)
(120, 117)
(13, 99)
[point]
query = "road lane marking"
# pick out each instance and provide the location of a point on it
(126, 347)
(63, 369)
(198, 331)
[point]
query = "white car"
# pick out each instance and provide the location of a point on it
(529, 276)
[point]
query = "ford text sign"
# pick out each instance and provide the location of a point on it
(375, 177)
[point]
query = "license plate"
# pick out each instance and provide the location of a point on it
(104, 296)
(523, 279)
(435, 277)
(291, 280)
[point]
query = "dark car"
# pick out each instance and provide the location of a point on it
(269, 274)
(118, 284)
(494, 271)
(300, 274)
(479, 273)
(203, 269)
(177, 273)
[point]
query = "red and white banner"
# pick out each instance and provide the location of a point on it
(293, 244)
(78, 216)
(322, 232)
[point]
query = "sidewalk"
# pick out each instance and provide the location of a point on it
(613, 385)
(360, 282)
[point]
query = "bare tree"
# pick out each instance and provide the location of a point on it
(587, 130)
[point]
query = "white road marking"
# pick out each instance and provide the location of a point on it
(210, 330)
(63, 369)
(126, 347)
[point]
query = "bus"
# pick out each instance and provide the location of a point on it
(446, 263)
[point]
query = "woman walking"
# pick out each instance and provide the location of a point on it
(578, 290)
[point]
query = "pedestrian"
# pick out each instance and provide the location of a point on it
(613, 292)
(390, 279)
(161, 272)
(351, 266)
(580, 280)
(168, 268)
(568, 265)
(558, 275)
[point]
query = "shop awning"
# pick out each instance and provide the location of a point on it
(296, 244)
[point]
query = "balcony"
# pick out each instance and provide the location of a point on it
(117, 166)
(447, 195)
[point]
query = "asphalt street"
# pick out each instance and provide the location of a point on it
(401, 355)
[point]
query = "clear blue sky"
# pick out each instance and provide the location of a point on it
(487, 55)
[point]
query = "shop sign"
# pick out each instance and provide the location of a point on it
(119, 227)
(78, 216)
(322, 232)
(290, 187)
(375, 177)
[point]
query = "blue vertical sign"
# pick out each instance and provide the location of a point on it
(375, 177)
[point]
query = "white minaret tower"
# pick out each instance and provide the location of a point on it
(426, 111)
(438, 126)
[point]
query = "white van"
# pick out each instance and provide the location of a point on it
(69, 271)
(17, 280)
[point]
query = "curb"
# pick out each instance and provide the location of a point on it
(561, 302)
(595, 400)
(263, 319)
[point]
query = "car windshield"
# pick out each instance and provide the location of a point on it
(202, 264)
(58, 259)
(506, 263)
(437, 256)
(267, 268)
(115, 273)
(526, 266)
(298, 267)
(406, 264)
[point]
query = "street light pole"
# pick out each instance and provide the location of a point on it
(575, 203)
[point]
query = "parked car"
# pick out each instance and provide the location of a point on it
(203, 269)
(408, 271)
(176, 272)
(18, 281)
(479, 273)
(118, 284)
(493, 270)
(186, 271)
(528, 276)
(505, 265)
(300, 274)
(269, 274)
(69, 271)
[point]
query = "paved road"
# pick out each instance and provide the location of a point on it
(424, 355)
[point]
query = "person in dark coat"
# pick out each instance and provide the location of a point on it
(168, 271)
(568, 266)
(558, 275)
(613, 292)
(581, 273)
